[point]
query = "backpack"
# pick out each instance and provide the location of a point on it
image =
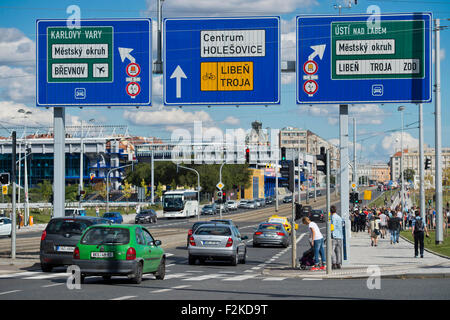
(419, 226)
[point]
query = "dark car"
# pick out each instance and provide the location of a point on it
(146, 216)
(194, 227)
(269, 200)
(60, 237)
(209, 209)
(306, 210)
(317, 215)
(287, 199)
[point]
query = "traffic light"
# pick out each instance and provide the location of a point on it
(287, 172)
(322, 157)
(283, 154)
(4, 178)
(247, 155)
(219, 196)
(224, 197)
(354, 197)
(427, 163)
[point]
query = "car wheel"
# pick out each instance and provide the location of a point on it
(161, 273)
(255, 245)
(46, 267)
(137, 277)
(235, 259)
(191, 260)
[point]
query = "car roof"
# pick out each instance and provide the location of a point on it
(76, 217)
(216, 224)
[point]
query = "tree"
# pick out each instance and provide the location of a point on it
(100, 189)
(127, 190)
(409, 174)
(45, 189)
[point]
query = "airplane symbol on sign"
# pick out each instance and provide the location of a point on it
(101, 69)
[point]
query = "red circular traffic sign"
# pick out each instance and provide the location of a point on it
(133, 89)
(310, 87)
(133, 69)
(310, 67)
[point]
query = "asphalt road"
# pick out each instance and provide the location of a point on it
(215, 280)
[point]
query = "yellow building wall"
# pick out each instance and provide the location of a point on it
(248, 192)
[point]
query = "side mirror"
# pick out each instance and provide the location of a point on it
(157, 243)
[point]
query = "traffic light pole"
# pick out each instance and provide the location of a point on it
(344, 174)
(328, 214)
(293, 235)
(421, 164)
(13, 183)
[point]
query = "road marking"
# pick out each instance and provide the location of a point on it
(124, 298)
(242, 277)
(52, 285)
(175, 275)
(311, 279)
(273, 279)
(205, 277)
(49, 276)
(7, 292)
(182, 286)
(160, 291)
(20, 274)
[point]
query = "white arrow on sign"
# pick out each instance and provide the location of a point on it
(178, 74)
(125, 53)
(318, 51)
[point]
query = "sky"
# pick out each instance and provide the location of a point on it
(378, 126)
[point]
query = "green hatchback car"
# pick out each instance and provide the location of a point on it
(119, 250)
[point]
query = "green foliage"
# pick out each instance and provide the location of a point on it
(45, 189)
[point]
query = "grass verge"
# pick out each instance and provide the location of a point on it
(443, 249)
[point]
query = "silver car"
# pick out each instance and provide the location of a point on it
(219, 242)
(271, 234)
(251, 204)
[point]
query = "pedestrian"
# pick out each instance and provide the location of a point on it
(362, 221)
(97, 211)
(375, 230)
(316, 241)
(19, 215)
(419, 228)
(352, 220)
(336, 238)
(383, 223)
(394, 227)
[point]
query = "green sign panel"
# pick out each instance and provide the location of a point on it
(80, 55)
(390, 50)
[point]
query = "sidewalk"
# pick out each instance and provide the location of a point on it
(396, 260)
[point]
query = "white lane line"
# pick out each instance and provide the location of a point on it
(242, 277)
(169, 265)
(20, 274)
(52, 285)
(162, 290)
(124, 298)
(8, 292)
(182, 286)
(273, 279)
(170, 289)
(311, 279)
(49, 276)
(205, 277)
(175, 275)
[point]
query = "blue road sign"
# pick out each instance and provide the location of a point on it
(364, 58)
(217, 61)
(99, 63)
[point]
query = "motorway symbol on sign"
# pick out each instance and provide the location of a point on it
(84, 66)
(387, 61)
(222, 61)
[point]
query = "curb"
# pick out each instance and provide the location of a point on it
(426, 249)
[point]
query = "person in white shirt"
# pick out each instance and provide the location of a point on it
(383, 224)
(316, 240)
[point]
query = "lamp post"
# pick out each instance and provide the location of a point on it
(400, 109)
(26, 206)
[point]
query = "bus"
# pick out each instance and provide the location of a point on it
(180, 204)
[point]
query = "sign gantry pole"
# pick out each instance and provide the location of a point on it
(59, 134)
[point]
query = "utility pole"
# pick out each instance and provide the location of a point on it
(421, 165)
(328, 213)
(198, 188)
(293, 235)
(13, 182)
(276, 179)
(344, 174)
(355, 173)
(153, 177)
(438, 136)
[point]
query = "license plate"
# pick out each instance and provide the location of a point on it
(65, 249)
(102, 254)
(210, 242)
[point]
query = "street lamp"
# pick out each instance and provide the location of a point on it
(26, 206)
(400, 109)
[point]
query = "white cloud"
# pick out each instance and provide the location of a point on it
(17, 84)
(220, 7)
(231, 120)
(392, 142)
(170, 117)
(16, 48)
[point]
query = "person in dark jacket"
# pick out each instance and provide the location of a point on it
(419, 228)
(394, 225)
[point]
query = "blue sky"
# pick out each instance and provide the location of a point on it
(375, 123)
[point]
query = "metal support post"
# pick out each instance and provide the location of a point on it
(344, 172)
(13, 183)
(328, 215)
(293, 236)
(438, 136)
(421, 165)
(59, 123)
(276, 180)
(153, 177)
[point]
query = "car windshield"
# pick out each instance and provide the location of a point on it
(265, 227)
(109, 215)
(173, 201)
(222, 221)
(213, 231)
(317, 211)
(66, 226)
(105, 235)
(208, 207)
